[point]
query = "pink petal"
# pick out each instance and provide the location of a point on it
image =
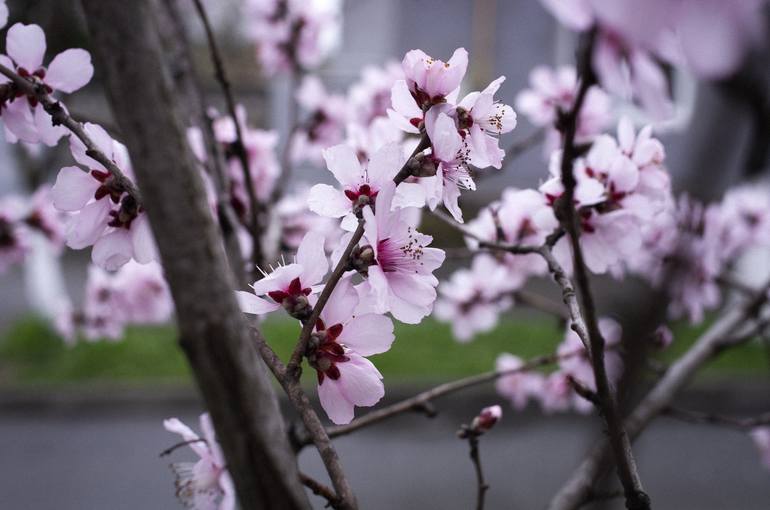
(360, 381)
(328, 201)
(403, 102)
(177, 427)
(312, 257)
(73, 189)
(342, 302)
(142, 241)
(25, 44)
(113, 250)
(444, 137)
(19, 120)
(343, 163)
(368, 334)
(70, 70)
(47, 132)
(385, 163)
(334, 402)
(101, 139)
(86, 226)
(251, 304)
(3, 14)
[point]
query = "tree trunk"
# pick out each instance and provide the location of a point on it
(213, 333)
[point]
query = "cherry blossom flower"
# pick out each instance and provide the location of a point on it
(337, 349)
(105, 215)
(370, 97)
(324, 122)
(761, 437)
(428, 82)
(521, 217)
(432, 81)
(360, 185)
(260, 147)
(292, 219)
(482, 120)
(450, 157)
(398, 264)
(293, 34)
(518, 387)
(472, 299)
(69, 71)
(552, 91)
(206, 483)
(289, 285)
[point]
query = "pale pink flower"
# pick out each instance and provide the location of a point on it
(400, 280)
(69, 71)
(293, 34)
(450, 157)
(519, 386)
(482, 120)
(368, 139)
(360, 185)
(370, 97)
(206, 483)
(761, 437)
(523, 218)
(432, 81)
(289, 286)
(324, 121)
(472, 299)
(104, 214)
(337, 351)
(293, 219)
(552, 91)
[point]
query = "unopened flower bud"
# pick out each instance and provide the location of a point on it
(298, 307)
(361, 258)
(486, 419)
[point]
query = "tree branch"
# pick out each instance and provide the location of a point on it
(322, 490)
(481, 485)
(636, 498)
(716, 419)
(720, 335)
(256, 209)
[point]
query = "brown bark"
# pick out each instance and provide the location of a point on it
(213, 333)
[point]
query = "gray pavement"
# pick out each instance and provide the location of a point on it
(87, 457)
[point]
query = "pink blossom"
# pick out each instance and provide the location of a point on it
(324, 120)
(450, 157)
(205, 484)
(761, 437)
(293, 34)
(337, 351)
(105, 216)
(482, 120)
(519, 386)
(472, 299)
(69, 71)
(521, 217)
(432, 81)
(552, 91)
(293, 219)
(370, 97)
(360, 185)
(289, 286)
(400, 278)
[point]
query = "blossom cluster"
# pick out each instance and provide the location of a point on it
(293, 34)
(634, 38)
(135, 294)
(21, 218)
(385, 175)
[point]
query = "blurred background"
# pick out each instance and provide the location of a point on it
(80, 426)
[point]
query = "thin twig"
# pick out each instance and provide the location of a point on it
(59, 115)
(481, 485)
(636, 498)
(255, 207)
(316, 431)
(320, 489)
(689, 416)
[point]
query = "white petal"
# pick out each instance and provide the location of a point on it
(142, 241)
(312, 257)
(70, 70)
(328, 201)
(343, 163)
(25, 44)
(86, 226)
(73, 189)
(250, 303)
(368, 334)
(113, 250)
(360, 381)
(334, 402)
